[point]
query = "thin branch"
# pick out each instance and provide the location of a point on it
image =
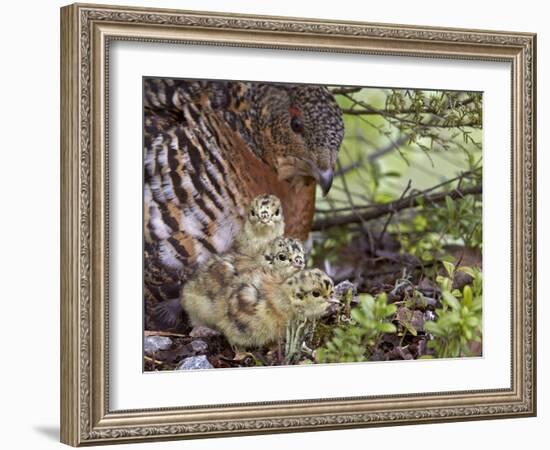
(345, 90)
(393, 212)
(370, 110)
(379, 112)
(372, 156)
(393, 145)
(416, 193)
(367, 109)
(411, 201)
(153, 361)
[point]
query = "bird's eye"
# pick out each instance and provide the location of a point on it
(296, 124)
(316, 293)
(277, 212)
(282, 257)
(252, 213)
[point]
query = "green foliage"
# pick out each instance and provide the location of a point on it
(415, 157)
(354, 341)
(456, 221)
(458, 321)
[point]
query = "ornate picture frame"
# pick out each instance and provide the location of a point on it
(87, 32)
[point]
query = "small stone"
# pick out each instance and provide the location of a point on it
(195, 362)
(203, 332)
(153, 344)
(404, 353)
(461, 279)
(198, 346)
(417, 320)
(429, 315)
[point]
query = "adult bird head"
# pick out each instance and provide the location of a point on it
(301, 129)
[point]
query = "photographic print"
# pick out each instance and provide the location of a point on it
(296, 224)
(289, 228)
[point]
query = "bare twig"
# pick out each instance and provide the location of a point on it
(416, 193)
(399, 269)
(151, 360)
(432, 124)
(372, 156)
(345, 90)
(393, 212)
(393, 145)
(412, 201)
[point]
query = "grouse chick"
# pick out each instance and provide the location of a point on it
(286, 256)
(264, 223)
(255, 310)
(283, 256)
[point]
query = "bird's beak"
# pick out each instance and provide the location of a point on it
(324, 178)
(334, 301)
(292, 169)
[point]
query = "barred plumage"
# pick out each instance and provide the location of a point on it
(209, 148)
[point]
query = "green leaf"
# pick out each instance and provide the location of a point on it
(449, 267)
(467, 296)
(467, 270)
(451, 300)
(433, 327)
(387, 327)
(391, 173)
(451, 208)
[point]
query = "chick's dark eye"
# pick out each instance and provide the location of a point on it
(296, 124)
(277, 212)
(316, 293)
(282, 257)
(252, 213)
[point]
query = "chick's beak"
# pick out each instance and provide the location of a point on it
(324, 178)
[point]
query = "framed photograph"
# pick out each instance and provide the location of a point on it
(276, 225)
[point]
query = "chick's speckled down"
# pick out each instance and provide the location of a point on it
(225, 274)
(256, 309)
(264, 223)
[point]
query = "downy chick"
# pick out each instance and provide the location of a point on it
(264, 222)
(283, 256)
(254, 311)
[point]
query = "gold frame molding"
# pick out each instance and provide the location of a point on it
(86, 31)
